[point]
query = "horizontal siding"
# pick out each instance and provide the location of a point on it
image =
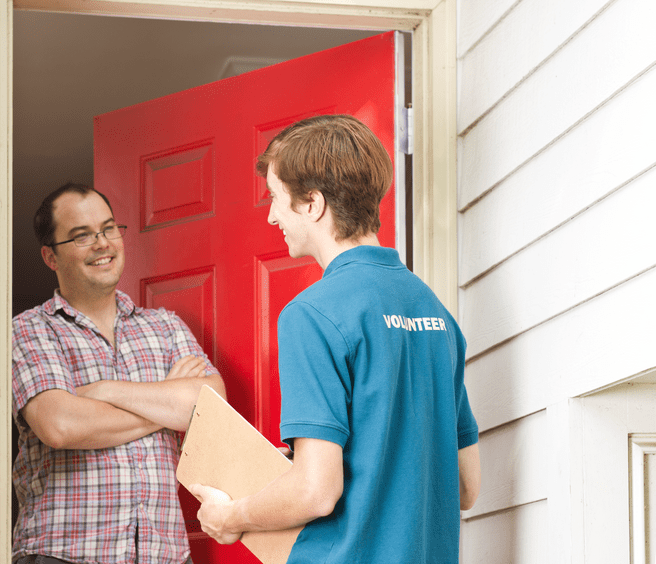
(476, 19)
(515, 462)
(610, 243)
(516, 536)
(608, 54)
(513, 49)
(557, 266)
(603, 341)
(603, 153)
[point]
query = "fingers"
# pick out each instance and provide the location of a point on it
(188, 367)
(213, 513)
(205, 493)
(197, 491)
(287, 452)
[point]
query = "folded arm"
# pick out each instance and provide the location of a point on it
(63, 420)
(309, 490)
(168, 403)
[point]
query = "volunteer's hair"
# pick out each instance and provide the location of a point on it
(340, 157)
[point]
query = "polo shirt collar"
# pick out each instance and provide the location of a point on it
(366, 254)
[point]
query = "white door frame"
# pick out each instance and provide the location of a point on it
(433, 23)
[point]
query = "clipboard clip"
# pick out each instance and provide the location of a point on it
(193, 412)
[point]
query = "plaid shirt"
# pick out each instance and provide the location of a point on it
(86, 505)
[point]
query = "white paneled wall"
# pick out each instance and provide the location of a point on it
(516, 535)
(598, 63)
(557, 265)
(516, 466)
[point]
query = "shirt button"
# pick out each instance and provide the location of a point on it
(141, 505)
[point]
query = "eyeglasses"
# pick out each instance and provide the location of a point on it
(88, 239)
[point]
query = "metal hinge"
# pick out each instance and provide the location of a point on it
(407, 130)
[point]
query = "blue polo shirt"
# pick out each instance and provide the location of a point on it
(371, 360)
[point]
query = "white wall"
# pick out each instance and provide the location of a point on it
(557, 250)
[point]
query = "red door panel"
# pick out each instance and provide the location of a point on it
(179, 171)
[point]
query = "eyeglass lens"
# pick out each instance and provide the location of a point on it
(111, 232)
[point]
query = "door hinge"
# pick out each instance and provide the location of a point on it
(407, 130)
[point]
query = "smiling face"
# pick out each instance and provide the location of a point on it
(84, 271)
(293, 223)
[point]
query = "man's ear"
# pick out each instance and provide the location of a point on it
(316, 207)
(49, 257)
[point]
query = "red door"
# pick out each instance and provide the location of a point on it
(179, 171)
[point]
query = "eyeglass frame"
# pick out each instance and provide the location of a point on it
(95, 236)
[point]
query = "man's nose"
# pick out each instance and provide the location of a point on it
(101, 241)
(271, 218)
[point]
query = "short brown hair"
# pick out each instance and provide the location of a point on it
(340, 157)
(44, 224)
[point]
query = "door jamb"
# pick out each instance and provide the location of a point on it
(434, 162)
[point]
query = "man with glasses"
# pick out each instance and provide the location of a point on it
(100, 388)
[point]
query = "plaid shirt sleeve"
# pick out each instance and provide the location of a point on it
(183, 342)
(38, 362)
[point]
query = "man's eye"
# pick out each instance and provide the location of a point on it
(111, 230)
(82, 237)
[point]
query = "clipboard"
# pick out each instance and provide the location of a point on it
(223, 450)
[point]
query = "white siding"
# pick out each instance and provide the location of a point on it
(557, 262)
(595, 65)
(516, 465)
(516, 535)
(512, 502)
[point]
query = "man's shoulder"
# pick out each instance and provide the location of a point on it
(35, 315)
(155, 319)
(127, 307)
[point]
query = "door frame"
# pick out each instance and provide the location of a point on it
(433, 23)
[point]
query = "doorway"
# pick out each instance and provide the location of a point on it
(59, 87)
(434, 82)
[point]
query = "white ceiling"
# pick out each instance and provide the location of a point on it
(69, 68)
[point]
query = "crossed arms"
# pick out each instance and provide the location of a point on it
(109, 413)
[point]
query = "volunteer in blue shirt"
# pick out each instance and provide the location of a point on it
(371, 374)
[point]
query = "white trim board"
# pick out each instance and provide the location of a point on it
(642, 471)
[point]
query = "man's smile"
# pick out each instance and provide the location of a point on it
(101, 261)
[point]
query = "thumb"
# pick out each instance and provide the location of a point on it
(197, 490)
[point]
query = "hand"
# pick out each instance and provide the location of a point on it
(187, 367)
(213, 513)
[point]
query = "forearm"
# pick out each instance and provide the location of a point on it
(286, 503)
(469, 466)
(107, 426)
(309, 490)
(168, 403)
(64, 421)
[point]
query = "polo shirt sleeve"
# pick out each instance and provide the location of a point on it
(315, 382)
(467, 426)
(38, 362)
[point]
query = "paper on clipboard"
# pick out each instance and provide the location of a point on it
(223, 450)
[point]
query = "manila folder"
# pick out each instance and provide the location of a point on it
(223, 450)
